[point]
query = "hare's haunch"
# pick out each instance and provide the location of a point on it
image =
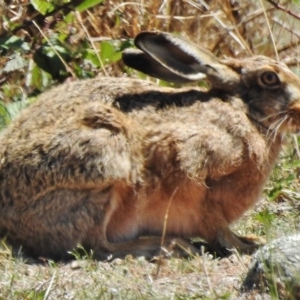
(102, 162)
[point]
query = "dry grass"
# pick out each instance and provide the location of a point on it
(197, 278)
(227, 28)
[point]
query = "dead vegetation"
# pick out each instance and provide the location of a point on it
(227, 28)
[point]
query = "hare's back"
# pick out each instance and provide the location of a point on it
(69, 99)
(72, 133)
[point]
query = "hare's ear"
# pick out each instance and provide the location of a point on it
(144, 63)
(171, 58)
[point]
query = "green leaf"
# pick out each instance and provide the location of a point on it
(60, 49)
(4, 116)
(88, 4)
(48, 60)
(265, 217)
(15, 108)
(42, 6)
(69, 18)
(36, 77)
(275, 193)
(16, 63)
(108, 53)
(13, 43)
(9, 111)
(90, 56)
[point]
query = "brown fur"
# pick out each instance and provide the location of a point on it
(97, 162)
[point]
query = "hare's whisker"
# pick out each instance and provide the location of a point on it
(278, 127)
(272, 126)
(273, 115)
(273, 129)
(289, 123)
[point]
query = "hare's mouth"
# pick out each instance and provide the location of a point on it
(282, 122)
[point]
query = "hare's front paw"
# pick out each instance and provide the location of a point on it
(226, 241)
(178, 247)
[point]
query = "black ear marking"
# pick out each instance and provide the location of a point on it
(177, 54)
(160, 47)
(144, 63)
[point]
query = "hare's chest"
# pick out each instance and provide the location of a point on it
(234, 194)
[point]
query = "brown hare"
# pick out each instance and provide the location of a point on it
(108, 162)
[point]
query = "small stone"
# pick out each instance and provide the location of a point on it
(78, 264)
(278, 261)
(117, 261)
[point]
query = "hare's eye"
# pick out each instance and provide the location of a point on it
(269, 79)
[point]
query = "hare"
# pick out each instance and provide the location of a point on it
(114, 164)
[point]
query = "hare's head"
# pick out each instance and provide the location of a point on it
(270, 91)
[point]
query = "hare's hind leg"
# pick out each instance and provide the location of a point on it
(57, 222)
